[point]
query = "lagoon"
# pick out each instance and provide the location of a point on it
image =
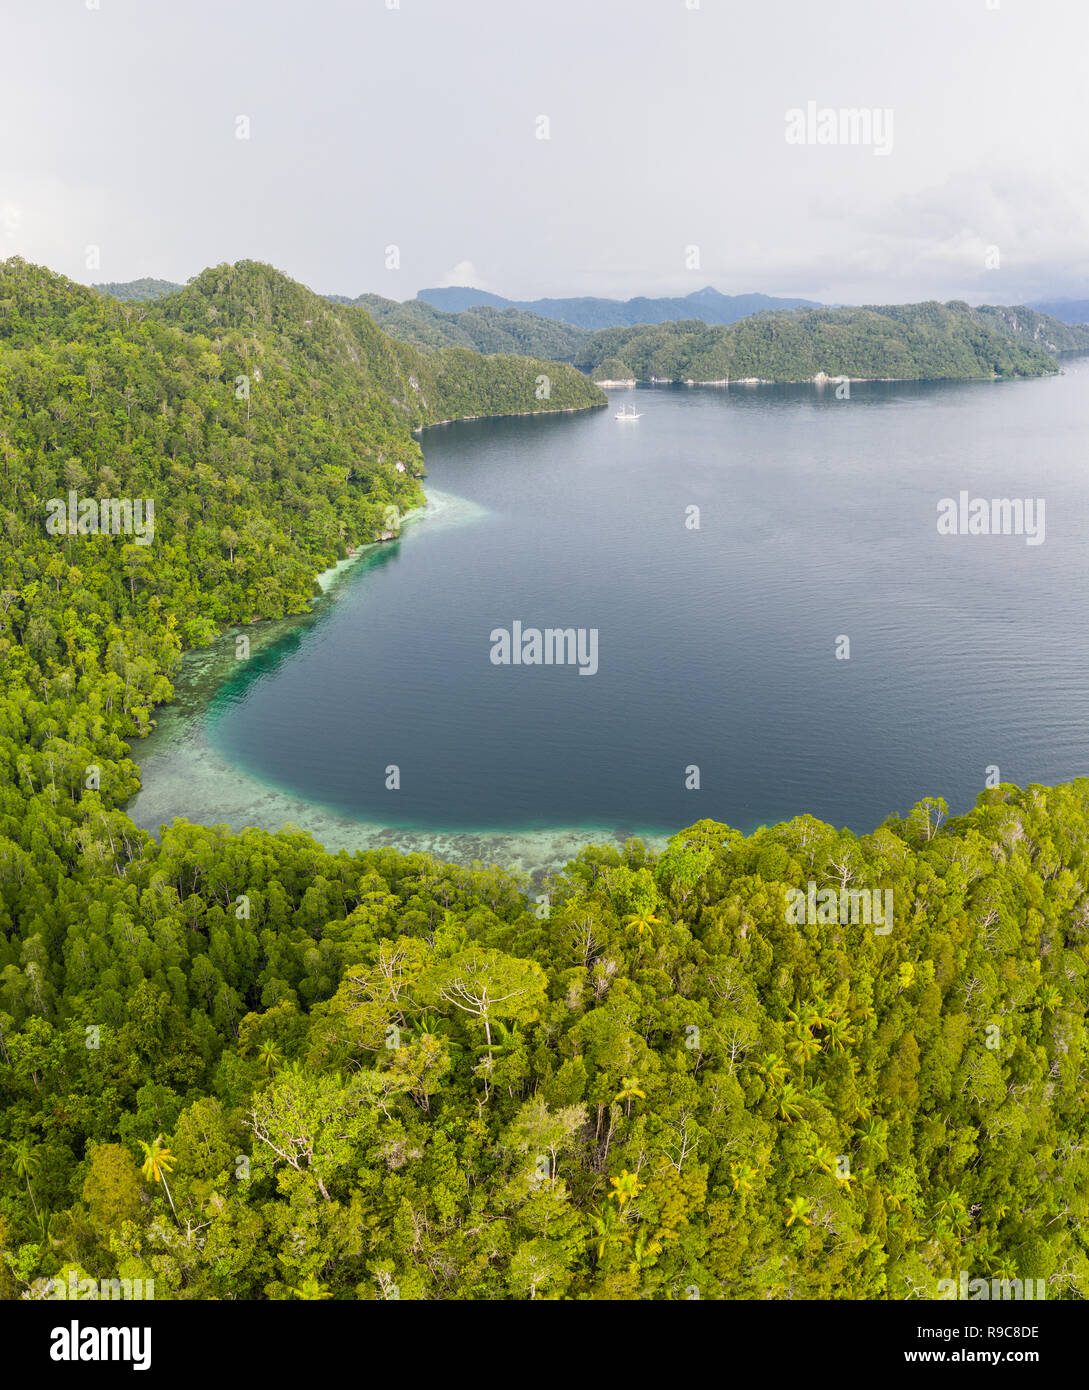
(720, 644)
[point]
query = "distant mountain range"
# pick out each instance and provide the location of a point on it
(591, 314)
(587, 313)
(1067, 310)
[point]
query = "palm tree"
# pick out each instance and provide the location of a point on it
(640, 922)
(790, 1103)
(506, 1039)
(643, 1250)
(950, 1208)
(48, 1223)
(24, 1159)
(270, 1054)
(604, 1222)
(309, 1289)
(742, 1176)
(990, 1255)
(625, 1187)
(772, 1067)
(822, 1157)
(158, 1161)
(874, 1131)
(804, 1048)
(839, 1034)
(629, 1091)
(797, 1209)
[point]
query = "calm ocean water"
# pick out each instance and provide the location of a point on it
(716, 646)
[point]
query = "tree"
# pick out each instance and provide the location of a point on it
(309, 1290)
(488, 984)
(309, 1121)
(536, 1265)
(626, 1186)
(158, 1161)
(536, 1129)
(112, 1187)
(927, 816)
(605, 1223)
(24, 1161)
(629, 1091)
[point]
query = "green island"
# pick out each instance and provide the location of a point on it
(905, 342)
(243, 1067)
(901, 342)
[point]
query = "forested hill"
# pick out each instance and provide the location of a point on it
(344, 346)
(144, 289)
(1032, 326)
(897, 342)
(270, 429)
(482, 329)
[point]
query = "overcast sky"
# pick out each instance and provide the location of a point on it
(417, 127)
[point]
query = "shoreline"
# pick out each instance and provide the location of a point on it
(513, 414)
(328, 577)
(185, 777)
(821, 379)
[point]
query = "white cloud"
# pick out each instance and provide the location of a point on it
(464, 273)
(1038, 224)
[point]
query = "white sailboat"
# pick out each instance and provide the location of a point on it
(630, 414)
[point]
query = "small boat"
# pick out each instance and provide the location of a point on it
(629, 414)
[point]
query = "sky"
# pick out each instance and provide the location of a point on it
(662, 164)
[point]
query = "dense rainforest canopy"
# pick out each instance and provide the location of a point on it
(908, 342)
(246, 1068)
(145, 289)
(483, 329)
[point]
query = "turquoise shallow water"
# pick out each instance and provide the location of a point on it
(186, 776)
(716, 646)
